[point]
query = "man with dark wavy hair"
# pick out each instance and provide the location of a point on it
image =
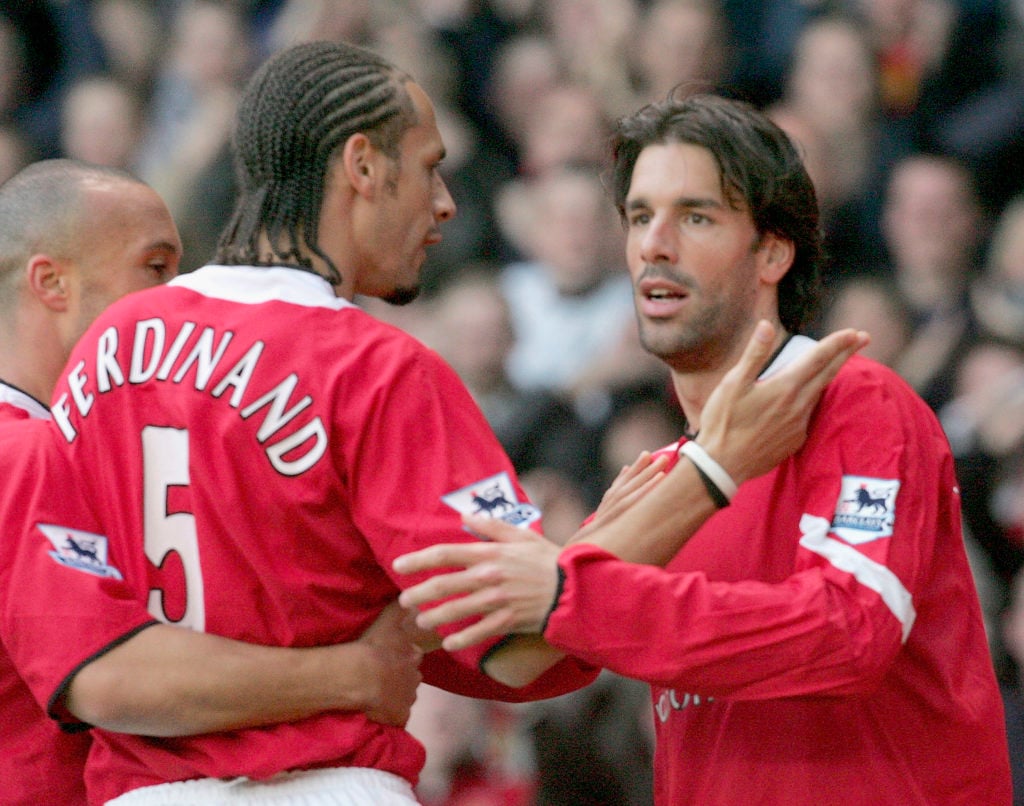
(819, 639)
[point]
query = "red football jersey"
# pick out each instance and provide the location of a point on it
(258, 452)
(819, 640)
(39, 762)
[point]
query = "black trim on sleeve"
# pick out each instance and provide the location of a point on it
(55, 708)
(502, 642)
(554, 604)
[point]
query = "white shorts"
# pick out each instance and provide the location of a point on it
(337, 786)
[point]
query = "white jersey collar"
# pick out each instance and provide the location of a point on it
(257, 284)
(791, 350)
(20, 400)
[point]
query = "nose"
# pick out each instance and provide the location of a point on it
(444, 204)
(659, 242)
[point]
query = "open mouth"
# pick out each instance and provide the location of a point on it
(659, 299)
(663, 294)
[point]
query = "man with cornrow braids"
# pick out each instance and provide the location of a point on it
(265, 449)
(73, 238)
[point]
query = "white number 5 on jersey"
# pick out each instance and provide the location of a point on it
(165, 464)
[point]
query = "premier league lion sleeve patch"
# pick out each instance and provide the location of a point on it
(493, 497)
(866, 509)
(80, 550)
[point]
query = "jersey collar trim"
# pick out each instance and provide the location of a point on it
(254, 285)
(795, 347)
(13, 396)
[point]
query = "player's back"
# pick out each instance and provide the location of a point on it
(219, 423)
(214, 418)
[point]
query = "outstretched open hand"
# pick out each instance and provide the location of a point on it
(510, 579)
(751, 425)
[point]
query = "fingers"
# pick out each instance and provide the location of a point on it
(639, 473)
(820, 365)
(489, 626)
(813, 371)
(631, 482)
(398, 693)
(441, 555)
(846, 344)
(497, 530)
(480, 602)
(755, 354)
(422, 639)
(437, 587)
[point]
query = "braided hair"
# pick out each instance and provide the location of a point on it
(297, 110)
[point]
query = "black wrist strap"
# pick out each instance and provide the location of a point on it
(720, 498)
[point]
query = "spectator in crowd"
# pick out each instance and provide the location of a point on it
(594, 39)
(950, 77)
(571, 311)
(297, 21)
(934, 229)
(567, 125)
(997, 294)
(871, 302)
(472, 329)
(526, 67)
(683, 45)
(132, 38)
(831, 89)
(604, 735)
(102, 122)
(15, 151)
(984, 421)
(208, 58)
(477, 751)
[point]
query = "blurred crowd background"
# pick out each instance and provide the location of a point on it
(910, 115)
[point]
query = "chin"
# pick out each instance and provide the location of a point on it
(402, 295)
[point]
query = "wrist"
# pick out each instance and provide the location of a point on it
(357, 674)
(719, 484)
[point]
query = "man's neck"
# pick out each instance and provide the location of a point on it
(694, 388)
(31, 361)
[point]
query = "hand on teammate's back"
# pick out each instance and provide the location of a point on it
(393, 637)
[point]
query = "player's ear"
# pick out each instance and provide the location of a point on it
(775, 255)
(47, 280)
(359, 164)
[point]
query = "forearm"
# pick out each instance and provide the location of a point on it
(651, 531)
(168, 681)
(522, 660)
(657, 526)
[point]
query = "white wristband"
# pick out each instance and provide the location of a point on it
(700, 457)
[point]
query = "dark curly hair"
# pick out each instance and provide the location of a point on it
(759, 167)
(297, 110)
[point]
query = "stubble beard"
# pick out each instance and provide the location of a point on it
(402, 296)
(697, 345)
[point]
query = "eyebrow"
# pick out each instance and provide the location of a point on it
(162, 246)
(682, 202)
